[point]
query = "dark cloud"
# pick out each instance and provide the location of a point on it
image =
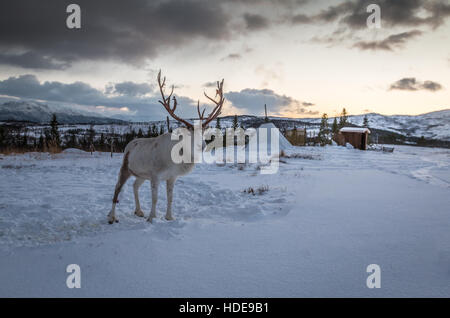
(301, 19)
(210, 84)
(306, 104)
(408, 84)
(255, 21)
(32, 60)
(411, 84)
(132, 89)
(332, 13)
(28, 86)
(389, 43)
(132, 96)
(393, 13)
(283, 3)
(431, 86)
(252, 101)
(232, 56)
(34, 33)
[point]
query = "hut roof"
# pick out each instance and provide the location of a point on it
(355, 130)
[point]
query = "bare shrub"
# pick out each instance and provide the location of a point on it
(302, 156)
(260, 190)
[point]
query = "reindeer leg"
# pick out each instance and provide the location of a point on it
(170, 184)
(124, 174)
(137, 183)
(154, 185)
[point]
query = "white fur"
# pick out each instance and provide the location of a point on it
(150, 159)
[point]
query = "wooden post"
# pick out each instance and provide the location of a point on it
(168, 124)
(112, 147)
(91, 148)
(265, 110)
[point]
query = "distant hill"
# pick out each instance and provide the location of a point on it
(434, 125)
(33, 112)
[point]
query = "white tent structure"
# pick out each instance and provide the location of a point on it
(270, 130)
(263, 137)
(264, 145)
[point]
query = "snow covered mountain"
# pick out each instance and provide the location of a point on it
(27, 111)
(434, 125)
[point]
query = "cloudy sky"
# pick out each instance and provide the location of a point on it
(300, 57)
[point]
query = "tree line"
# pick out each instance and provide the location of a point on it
(17, 138)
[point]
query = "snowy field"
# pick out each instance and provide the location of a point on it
(326, 216)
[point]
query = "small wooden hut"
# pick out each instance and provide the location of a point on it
(357, 137)
(296, 136)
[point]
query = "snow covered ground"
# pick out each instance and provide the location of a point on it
(326, 216)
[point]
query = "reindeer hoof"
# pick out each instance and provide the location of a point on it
(113, 220)
(169, 218)
(150, 219)
(139, 213)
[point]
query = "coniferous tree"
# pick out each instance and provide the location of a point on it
(154, 131)
(91, 134)
(55, 139)
(3, 137)
(335, 127)
(47, 139)
(41, 143)
(365, 122)
(101, 141)
(149, 131)
(24, 141)
(343, 118)
(324, 132)
(161, 129)
(73, 139)
(140, 134)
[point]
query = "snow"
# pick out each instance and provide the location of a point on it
(329, 213)
(355, 129)
(349, 145)
(74, 150)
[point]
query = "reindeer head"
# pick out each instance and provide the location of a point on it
(166, 102)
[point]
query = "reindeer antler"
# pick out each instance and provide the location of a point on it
(171, 110)
(218, 108)
(166, 102)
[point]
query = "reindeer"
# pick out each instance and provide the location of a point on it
(150, 158)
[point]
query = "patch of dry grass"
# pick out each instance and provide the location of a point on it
(260, 190)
